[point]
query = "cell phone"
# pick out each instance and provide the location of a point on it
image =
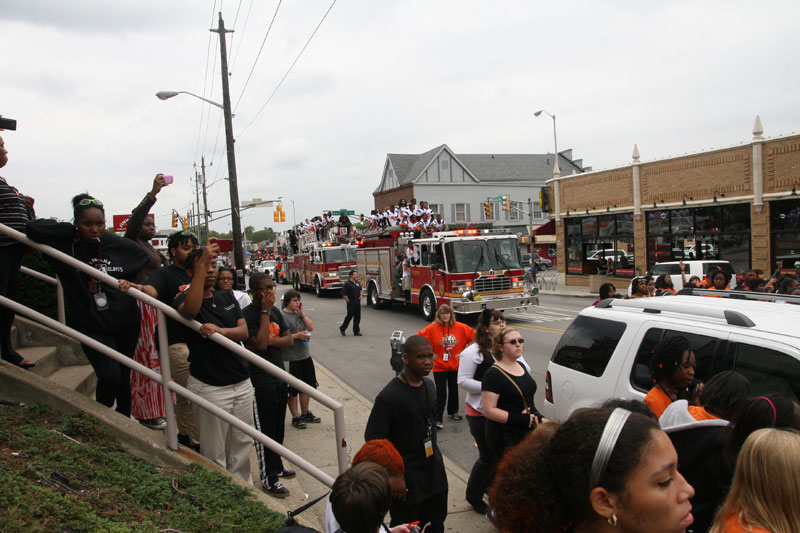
(8, 124)
(167, 178)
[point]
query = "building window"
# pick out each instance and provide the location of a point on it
(514, 212)
(496, 206)
(436, 209)
(460, 213)
(785, 224)
(597, 243)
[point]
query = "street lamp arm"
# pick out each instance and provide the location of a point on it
(163, 95)
(555, 137)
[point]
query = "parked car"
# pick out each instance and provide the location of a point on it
(697, 268)
(708, 251)
(606, 351)
(268, 267)
(540, 262)
(620, 257)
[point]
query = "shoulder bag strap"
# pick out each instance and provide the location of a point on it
(513, 383)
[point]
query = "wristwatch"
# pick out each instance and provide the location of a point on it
(264, 312)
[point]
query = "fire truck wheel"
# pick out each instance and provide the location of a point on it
(427, 303)
(317, 288)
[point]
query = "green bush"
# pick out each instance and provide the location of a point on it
(37, 294)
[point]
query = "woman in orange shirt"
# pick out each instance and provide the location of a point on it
(673, 373)
(764, 495)
(448, 339)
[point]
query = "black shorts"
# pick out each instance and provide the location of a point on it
(305, 372)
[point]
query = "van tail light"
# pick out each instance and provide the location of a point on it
(548, 388)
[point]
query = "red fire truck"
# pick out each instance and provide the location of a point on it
(319, 262)
(468, 269)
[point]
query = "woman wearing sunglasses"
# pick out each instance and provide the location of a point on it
(225, 281)
(507, 393)
(95, 309)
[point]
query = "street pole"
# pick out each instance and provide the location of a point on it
(530, 233)
(205, 194)
(196, 223)
(236, 225)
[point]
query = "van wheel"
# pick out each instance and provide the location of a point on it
(317, 288)
(372, 295)
(427, 305)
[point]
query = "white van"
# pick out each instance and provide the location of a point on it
(605, 353)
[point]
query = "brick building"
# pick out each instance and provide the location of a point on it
(738, 203)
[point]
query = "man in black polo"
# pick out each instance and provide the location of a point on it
(404, 413)
(351, 292)
(268, 335)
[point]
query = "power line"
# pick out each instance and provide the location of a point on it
(271, 22)
(235, 18)
(238, 48)
(290, 68)
(205, 81)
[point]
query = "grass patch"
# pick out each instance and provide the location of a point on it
(64, 473)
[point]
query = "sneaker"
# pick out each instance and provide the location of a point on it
(341, 331)
(275, 488)
(297, 422)
(357, 334)
(309, 417)
(439, 425)
(287, 473)
(154, 423)
(456, 416)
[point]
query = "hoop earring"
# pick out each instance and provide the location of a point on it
(612, 521)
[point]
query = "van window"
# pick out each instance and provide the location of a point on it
(768, 370)
(673, 269)
(587, 344)
(705, 348)
(725, 267)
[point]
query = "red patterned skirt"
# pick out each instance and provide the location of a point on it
(147, 396)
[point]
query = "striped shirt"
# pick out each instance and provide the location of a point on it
(13, 212)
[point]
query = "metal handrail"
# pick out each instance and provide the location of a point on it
(52, 281)
(170, 386)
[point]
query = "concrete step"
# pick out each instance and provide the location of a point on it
(45, 357)
(80, 378)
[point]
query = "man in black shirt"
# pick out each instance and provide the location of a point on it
(351, 292)
(404, 413)
(164, 284)
(217, 374)
(268, 334)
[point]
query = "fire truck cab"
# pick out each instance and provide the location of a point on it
(321, 264)
(468, 269)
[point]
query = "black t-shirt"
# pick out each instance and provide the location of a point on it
(352, 291)
(208, 361)
(277, 326)
(495, 381)
(119, 258)
(402, 414)
(168, 282)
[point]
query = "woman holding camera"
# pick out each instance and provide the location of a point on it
(95, 309)
(507, 393)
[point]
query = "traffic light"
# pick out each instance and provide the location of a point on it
(185, 223)
(279, 215)
(544, 200)
(276, 216)
(174, 219)
(487, 209)
(507, 203)
(283, 216)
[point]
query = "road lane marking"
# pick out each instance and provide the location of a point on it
(540, 329)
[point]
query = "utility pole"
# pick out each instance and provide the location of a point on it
(205, 195)
(236, 224)
(530, 233)
(196, 223)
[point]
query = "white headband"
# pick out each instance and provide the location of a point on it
(608, 441)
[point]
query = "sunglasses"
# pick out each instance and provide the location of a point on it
(90, 201)
(265, 289)
(515, 341)
(184, 233)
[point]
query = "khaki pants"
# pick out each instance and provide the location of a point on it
(219, 441)
(179, 366)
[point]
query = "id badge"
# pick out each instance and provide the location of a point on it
(101, 301)
(428, 447)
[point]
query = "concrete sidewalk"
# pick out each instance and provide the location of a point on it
(317, 445)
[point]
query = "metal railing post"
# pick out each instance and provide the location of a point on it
(166, 375)
(62, 316)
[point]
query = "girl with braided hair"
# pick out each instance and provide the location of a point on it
(672, 367)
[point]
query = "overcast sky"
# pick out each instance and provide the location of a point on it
(380, 76)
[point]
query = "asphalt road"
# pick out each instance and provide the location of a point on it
(363, 362)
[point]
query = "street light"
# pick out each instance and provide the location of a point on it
(555, 139)
(294, 221)
(163, 95)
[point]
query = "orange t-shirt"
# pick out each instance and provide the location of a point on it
(734, 525)
(657, 400)
(700, 413)
(455, 337)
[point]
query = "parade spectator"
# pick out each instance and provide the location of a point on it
(768, 411)
(404, 413)
(607, 290)
(476, 359)
(651, 285)
(448, 338)
(95, 309)
(602, 470)
(216, 373)
(638, 287)
(664, 285)
(672, 368)
(16, 210)
(268, 335)
(747, 277)
(164, 284)
(147, 396)
(301, 365)
(507, 392)
(225, 281)
(764, 495)
(351, 292)
(787, 285)
(699, 434)
(757, 285)
(360, 498)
